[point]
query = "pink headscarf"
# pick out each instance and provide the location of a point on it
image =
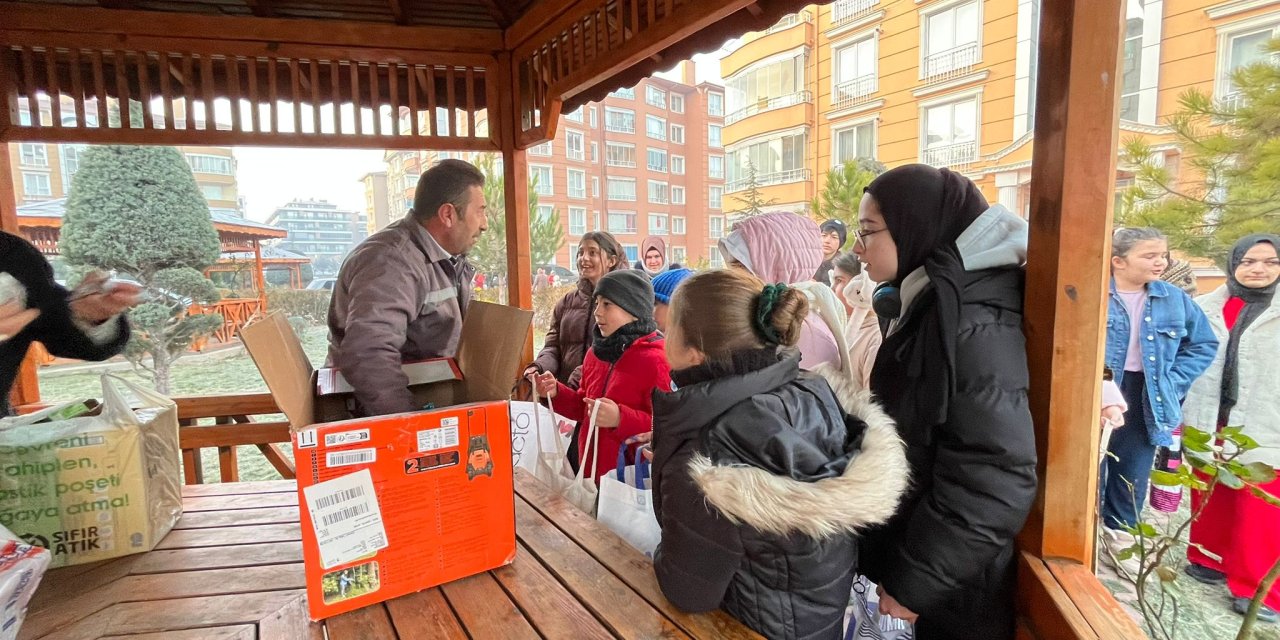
(776, 247)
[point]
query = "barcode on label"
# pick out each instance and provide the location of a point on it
(355, 456)
(342, 496)
(442, 438)
(345, 514)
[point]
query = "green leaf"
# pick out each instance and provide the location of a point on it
(1265, 496)
(1229, 479)
(1148, 530)
(1259, 473)
(1196, 446)
(1166, 479)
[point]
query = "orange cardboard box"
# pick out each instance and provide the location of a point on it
(395, 504)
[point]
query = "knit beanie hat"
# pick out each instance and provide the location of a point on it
(630, 290)
(838, 227)
(664, 285)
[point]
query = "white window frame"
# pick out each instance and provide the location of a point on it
(551, 179)
(674, 160)
(714, 257)
(549, 210)
(595, 186)
(623, 93)
(712, 223)
(677, 190)
(662, 128)
(573, 257)
(655, 97)
(935, 9)
(663, 186)
(666, 221)
(677, 134)
(677, 99)
(619, 110)
(595, 152)
(678, 227)
(924, 106)
(191, 158)
(722, 104)
(37, 193)
(574, 116)
(666, 160)
(709, 143)
(710, 201)
(568, 187)
(721, 158)
(634, 195)
(580, 153)
(622, 145)
(595, 122)
(635, 225)
(679, 255)
(39, 153)
(1227, 33)
(858, 38)
(575, 230)
(853, 125)
(544, 150)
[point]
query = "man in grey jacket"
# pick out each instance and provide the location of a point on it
(402, 293)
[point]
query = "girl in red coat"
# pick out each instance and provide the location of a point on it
(625, 364)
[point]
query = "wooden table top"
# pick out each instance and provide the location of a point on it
(232, 570)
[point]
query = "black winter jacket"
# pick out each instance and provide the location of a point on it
(948, 555)
(760, 481)
(55, 327)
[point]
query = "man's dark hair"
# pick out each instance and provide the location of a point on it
(449, 181)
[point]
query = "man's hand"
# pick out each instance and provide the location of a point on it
(97, 300)
(609, 416)
(890, 607)
(545, 383)
(13, 319)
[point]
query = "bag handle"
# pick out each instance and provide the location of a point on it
(641, 465)
(593, 437)
(537, 422)
(642, 468)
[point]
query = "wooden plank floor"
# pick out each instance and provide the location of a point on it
(232, 569)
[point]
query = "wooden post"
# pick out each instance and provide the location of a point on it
(26, 387)
(515, 170)
(1073, 179)
(259, 281)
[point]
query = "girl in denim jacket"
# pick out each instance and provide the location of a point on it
(1158, 342)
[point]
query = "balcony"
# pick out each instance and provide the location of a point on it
(788, 21)
(854, 92)
(952, 156)
(766, 179)
(951, 63)
(620, 127)
(848, 11)
(769, 104)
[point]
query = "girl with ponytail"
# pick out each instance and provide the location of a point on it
(763, 475)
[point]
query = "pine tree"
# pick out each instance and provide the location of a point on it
(138, 211)
(545, 233)
(753, 202)
(1233, 152)
(843, 190)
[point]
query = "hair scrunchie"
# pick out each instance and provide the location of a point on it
(765, 302)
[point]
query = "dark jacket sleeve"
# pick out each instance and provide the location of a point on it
(700, 549)
(983, 474)
(380, 305)
(548, 360)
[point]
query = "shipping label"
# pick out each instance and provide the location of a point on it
(346, 518)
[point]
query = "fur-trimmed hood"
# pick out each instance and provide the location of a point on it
(768, 491)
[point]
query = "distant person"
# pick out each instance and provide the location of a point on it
(834, 235)
(402, 293)
(540, 280)
(480, 279)
(664, 286)
(653, 259)
(1180, 274)
(85, 324)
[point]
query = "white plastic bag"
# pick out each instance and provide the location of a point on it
(626, 503)
(94, 487)
(553, 467)
(22, 566)
(865, 620)
(532, 425)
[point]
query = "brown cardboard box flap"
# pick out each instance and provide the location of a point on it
(489, 352)
(276, 349)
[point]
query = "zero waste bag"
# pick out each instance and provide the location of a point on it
(626, 503)
(96, 487)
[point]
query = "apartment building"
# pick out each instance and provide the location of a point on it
(321, 231)
(377, 207)
(951, 83)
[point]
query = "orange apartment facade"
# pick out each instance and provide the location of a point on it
(951, 83)
(646, 161)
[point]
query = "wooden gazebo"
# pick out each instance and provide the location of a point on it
(414, 74)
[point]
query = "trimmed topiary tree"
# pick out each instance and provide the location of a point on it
(138, 211)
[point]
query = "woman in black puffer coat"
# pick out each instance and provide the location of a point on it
(761, 478)
(952, 373)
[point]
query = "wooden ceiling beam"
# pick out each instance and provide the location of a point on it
(397, 12)
(117, 4)
(500, 12)
(261, 8)
(330, 33)
(535, 18)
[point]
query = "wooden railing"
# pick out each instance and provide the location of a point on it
(233, 426)
(236, 312)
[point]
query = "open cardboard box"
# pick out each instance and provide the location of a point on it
(395, 504)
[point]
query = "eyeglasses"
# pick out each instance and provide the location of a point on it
(861, 235)
(1270, 263)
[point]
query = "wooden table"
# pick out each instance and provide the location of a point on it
(232, 569)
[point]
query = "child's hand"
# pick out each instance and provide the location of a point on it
(1114, 415)
(609, 417)
(546, 384)
(642, 438)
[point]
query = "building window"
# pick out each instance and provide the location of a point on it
(575, 115)
(715, 197)
(620, 154)
(1131, 62)
(655, 96)
(625, 94)
(657, 224)
(677, 165)
(655, 127)
(716, 260)
(1238, 50)
(677, 103)
(70, 154)
(211, 192)
(575, 147)
(595, 152)
(713, 135)
(951, 39)
(632, 252)
(577, 222)
(715, 167)
(33, 155)
(619, 120)
(544, 212)
(677, 134)
(595, 187)
(541, 176)
(657, 160)
(772, 85)
(36, 184)
(659, 192)
(219, 165)
(715, 227)
(853, 143)
(677, 227)
(543, 149)
(855, 75)
(622, 222)
(951, 133)
(623, 189)
(677, 195)
(577, 183)
(679, 256)
(573, 257)
(715, 104)
(776, 161)
(594, 122)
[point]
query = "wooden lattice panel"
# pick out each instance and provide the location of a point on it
(287, 95)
